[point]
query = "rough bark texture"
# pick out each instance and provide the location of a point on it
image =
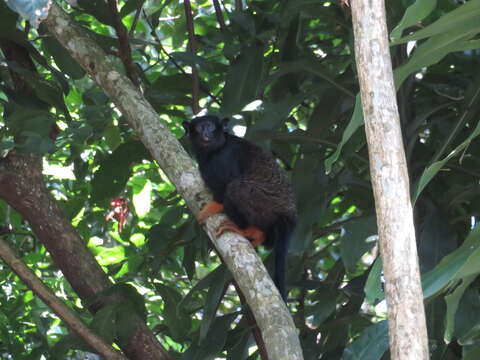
(270, 312)
(388, 168)
(22, 186)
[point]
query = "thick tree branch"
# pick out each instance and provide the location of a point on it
(388, 169)
(22, 186)
(192, 44)
(270, 312)
(62, 310)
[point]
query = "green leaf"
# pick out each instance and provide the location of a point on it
(462, 19)
(434, 168)
(130, 266)
(451, 33)
(452, 300)
(373, 286)
(62, 58)
(354, 243)
(160, 238)
(325, 305)
(371, 345)
(115, 170)
(204, 283)
(130, 6)
(471, 354)
(36, 143)
(242, 80)
(177, 322)
(244, 21)
(461, 263)
(109, 256)
(415, 13)
(99, 9)
(215, 340)
(170, 90)
(355, 122)
(192, 60)
(142, 195)
(112, 137)
(214, 296)
(435, 49)
(103, 323)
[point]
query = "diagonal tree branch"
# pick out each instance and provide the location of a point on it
(22, 186)
(62, 310)
(270, 312)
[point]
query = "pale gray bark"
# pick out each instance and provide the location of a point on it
(388, 169)
(270, 312)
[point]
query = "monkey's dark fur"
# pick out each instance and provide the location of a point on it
(248, 182)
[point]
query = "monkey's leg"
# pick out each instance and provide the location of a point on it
(252, 233)
(208, 210)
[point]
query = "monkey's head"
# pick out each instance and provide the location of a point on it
(206, 133)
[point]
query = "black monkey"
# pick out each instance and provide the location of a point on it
(248, 185)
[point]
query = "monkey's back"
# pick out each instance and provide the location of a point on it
(262, 193)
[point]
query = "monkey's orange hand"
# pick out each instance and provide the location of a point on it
(252, 233)
(208, 210)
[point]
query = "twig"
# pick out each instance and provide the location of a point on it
(257, 334)
(124, 50)
(62, 310)
(175, 63)
(238, 5)
(193, 49)
(135, 19)
(219, 15)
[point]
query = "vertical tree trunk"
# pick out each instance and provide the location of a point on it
(388, 169)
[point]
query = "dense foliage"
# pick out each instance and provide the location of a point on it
(285, 71)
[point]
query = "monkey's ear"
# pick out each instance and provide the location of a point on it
(225, 124)
(186, 127)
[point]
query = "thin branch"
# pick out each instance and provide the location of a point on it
(63, 311)
(135, 19)
(257, 334)
(124, 50)
(175, 63)
(238, 5)
(219, 15)
(192, 44)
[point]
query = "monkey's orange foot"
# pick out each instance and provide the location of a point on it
(252, 233)
(208, 210)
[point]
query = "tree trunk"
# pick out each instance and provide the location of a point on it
(388, 169)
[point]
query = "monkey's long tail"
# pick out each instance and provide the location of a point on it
(281, 232)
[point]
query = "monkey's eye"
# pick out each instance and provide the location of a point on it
(210, 127)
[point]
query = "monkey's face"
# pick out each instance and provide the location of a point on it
(206, 133)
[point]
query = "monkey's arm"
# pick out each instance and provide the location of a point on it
(208, 210)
